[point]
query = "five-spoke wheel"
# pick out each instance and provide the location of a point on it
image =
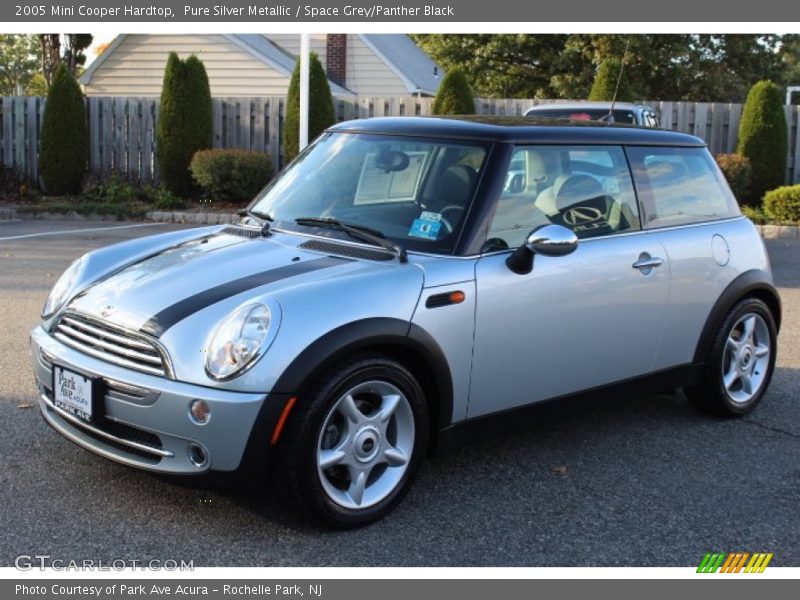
(355, 442)
(740, 362)
(365, 444)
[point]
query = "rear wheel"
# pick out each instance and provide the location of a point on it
(351, 452)
(741, 361)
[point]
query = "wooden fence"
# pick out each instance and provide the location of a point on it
(122, 129)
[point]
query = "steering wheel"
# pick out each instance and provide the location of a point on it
(456, 209)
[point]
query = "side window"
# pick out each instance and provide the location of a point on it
(679, 186)
(585, 188)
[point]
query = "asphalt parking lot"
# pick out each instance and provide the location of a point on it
(645, 481)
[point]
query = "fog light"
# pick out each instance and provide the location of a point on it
(200, 411)
(197, 455)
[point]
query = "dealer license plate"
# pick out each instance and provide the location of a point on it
(72, 393)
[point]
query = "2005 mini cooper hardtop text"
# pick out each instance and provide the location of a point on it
(390, 294)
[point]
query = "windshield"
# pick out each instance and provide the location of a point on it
(584, 114)
(414, 191)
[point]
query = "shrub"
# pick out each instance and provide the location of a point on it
(185, 122)
(783, 204)
(738, 170)
(12, 183)
(231, 175)
(455, 96)
(320, 107)
(755, 214)
(64, 149)
(163, 199)
(114, 188)
(605, 82)
(763, 138)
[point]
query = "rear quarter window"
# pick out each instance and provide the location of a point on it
(679, 186)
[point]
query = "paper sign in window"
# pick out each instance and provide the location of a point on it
(376, 185)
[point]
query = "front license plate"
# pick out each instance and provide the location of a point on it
(72, 392)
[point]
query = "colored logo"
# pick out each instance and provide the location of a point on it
(734, 562)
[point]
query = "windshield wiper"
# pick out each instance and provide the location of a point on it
(358, 232)
(265, 218)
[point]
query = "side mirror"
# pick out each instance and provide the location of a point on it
(547, 240)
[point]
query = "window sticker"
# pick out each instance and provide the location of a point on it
(427, 226)
(376, 186)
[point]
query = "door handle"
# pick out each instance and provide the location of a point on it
(648, 263)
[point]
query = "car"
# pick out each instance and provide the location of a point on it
(387, 297)
(623, 112)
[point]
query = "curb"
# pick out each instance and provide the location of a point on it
(199, 218)
(775, 232)
(192, 218)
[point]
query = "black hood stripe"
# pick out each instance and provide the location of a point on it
(163, 320)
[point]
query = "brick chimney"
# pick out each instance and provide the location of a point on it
(336, 58)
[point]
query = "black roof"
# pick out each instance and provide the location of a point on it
(521, 129)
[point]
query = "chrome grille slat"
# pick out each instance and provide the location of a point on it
(150, 358)
(107, 334)
(111, 344)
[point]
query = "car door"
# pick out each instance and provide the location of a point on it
(575, 322)
(687, 206)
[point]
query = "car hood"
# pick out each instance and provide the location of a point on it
(157, 292)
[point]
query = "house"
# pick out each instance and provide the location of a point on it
(261, 65)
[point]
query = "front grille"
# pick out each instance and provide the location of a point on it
(111, 344)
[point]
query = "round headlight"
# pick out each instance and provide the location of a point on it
(63, 288)
(237, 341)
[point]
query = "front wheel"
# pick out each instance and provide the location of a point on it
(353, 448)
(740, 363)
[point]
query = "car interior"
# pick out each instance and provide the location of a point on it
(585, 189)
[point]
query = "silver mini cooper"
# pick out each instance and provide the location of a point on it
(389, 295)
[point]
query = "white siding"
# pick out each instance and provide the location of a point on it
(368, 75)
(136, 67)
(290, 42)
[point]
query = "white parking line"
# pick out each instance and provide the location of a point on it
(30, 235)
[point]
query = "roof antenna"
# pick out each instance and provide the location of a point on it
(610, 117)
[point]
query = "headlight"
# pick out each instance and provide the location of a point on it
(237, 342)
(63, 288)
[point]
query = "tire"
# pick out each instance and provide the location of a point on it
(349, 463)
(740, 362)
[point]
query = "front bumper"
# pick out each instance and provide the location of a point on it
(145, 419)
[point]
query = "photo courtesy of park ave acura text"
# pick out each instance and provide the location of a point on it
(385, 299)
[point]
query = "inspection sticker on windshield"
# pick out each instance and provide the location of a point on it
(427, 226)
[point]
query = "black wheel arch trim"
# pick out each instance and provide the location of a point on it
(374, 333)
(756, 283)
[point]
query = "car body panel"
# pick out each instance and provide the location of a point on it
(590, 309)
(167, 416)
(698, 279)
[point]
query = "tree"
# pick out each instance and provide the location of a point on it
(185, 122)
(455, 96)
(50, 54)
(611, 82)
(790, 63)
(320, 107)
(660, 67)
(763, 138)
(499, 66)
(75, 52)
(74, 46)
(18, 63)
(64, 149)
